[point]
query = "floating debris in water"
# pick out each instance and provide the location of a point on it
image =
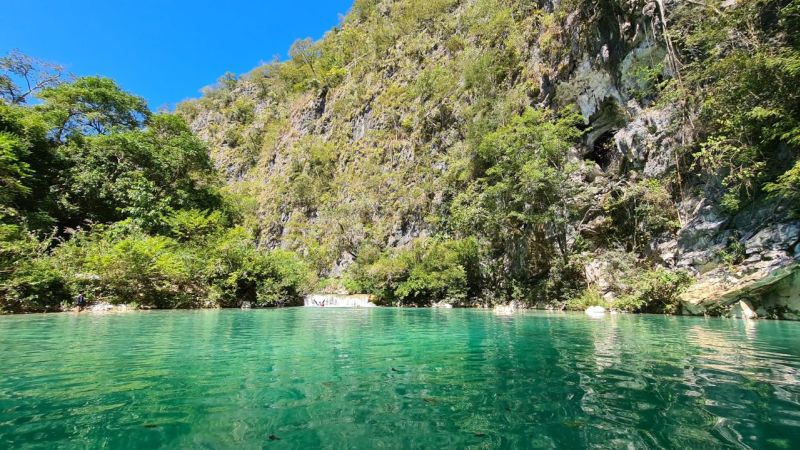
(272, 437)
(430, 401)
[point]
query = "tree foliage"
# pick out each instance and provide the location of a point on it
(524, 197)
(744, 63)
(103, 196)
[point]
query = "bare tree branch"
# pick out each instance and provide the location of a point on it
(34, 73)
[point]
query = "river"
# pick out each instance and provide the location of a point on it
(396, 378)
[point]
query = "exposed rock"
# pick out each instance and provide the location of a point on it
(743, 309)
(442, 304)
(595, 311)
(590, 86)
(339, 301)
(771, 292)
(510, 308)
(598, 274)
(108, 307)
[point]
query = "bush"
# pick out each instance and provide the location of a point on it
(654, 291)
(239, 272)
(425, 272)
(122, 264)
(36, 286)
(589, 297)
(28, 280)
(194, 225)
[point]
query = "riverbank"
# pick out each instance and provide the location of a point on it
(741, 309)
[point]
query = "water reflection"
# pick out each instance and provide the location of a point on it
(370, 378)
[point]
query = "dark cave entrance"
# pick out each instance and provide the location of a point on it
(602, 150)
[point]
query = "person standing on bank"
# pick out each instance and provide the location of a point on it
(80, 301)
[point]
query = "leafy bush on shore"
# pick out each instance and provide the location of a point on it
(107, 198)
(425, 272)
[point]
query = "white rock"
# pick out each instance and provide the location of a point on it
(338, 301)
(743, 309)
(596, 311)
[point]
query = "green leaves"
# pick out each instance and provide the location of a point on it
(745, 66)
(91, 105)
(142, 187)
(787, 186)
(143, 173)
(523, 200)
(427, 271)
(14, 171)
(640, 212)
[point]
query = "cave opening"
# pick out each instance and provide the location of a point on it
(602, 150)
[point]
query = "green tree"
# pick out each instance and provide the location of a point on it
(141, 173)
(91, 105)
(524, 197)
(22, 76)
(744, 64)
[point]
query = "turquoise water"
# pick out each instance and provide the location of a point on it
(396, 378)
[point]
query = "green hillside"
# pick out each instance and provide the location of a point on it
(638, 155)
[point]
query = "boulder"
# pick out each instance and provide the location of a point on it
(595, 311)
(769, 292)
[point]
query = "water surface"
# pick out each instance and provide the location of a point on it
(396, 378)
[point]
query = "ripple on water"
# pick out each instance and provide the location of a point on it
(307, 378)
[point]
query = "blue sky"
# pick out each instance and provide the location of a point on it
(163, 50)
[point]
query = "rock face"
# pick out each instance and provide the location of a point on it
(765, 293)
(370, 159)
(763, 284)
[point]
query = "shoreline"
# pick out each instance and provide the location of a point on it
(502, 310)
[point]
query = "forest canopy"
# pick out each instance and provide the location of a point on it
(100, 195)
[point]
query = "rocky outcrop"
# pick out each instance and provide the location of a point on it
(761, 294)
(765, 283)
(392, 147)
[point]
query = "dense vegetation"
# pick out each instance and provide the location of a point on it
(422, 151)
(100, 195)
(430, 151)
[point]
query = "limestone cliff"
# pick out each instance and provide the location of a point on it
(369, 134)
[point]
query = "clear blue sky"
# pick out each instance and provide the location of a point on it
(163, 50)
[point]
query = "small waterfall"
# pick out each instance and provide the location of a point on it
(338, 301)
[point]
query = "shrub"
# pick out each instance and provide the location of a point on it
(237, 271)
(426, 271)
(36, 286)
(653, 291)
(28, 280)
(589, 297)
(119, 265)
